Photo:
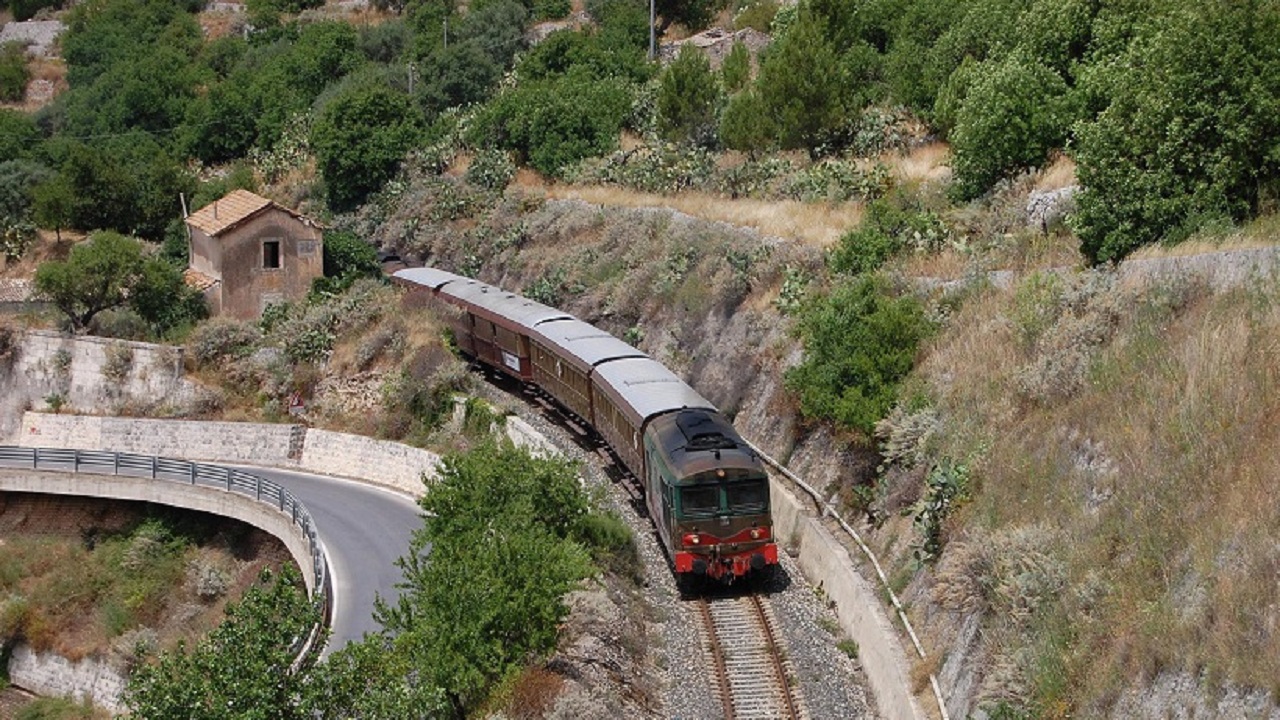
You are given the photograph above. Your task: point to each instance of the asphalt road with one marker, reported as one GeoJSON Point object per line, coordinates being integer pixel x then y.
{"type": "Point", "coordinates": [363, 529]}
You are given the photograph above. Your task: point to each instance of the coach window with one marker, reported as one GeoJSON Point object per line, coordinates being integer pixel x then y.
{"type": "Point", "coordinates": [271, 254]}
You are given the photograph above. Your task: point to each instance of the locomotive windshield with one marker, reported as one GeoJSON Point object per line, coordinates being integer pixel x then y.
{"type": "Point", "coordinates": [742, 497]}
{"type": "Point", "coordinates": [700, 501]}
{"type": "Point", "coordinates": [747, 498]}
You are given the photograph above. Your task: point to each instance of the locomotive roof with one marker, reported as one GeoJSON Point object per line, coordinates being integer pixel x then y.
{"type": "Point", "coordinates": [428, 276]}
{"type": "Point", "coordinates": [519, 310]}
{"type": "Point", "coordinates": [697, 441]}
{"type": "Point", "coordinates": [644, 388]}
{"type": "Point", "coordinates": [583, 344]}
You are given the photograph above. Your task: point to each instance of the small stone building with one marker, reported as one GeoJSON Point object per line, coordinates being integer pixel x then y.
{"type": "Point", "coordinates": [247, 252]}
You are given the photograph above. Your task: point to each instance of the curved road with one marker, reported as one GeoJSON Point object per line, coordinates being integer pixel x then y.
{"type": "Point", "coordinates": [364, 530]}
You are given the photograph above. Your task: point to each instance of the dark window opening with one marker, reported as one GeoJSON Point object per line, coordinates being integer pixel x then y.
{"type": "Point", "coordinates": [271, 254]}
{"type": "Point", "coordinates": [703, 501]}
{"type": "Point", "coordinates": [747, 497]}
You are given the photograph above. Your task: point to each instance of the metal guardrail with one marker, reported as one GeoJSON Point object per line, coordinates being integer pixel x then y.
{"type": "Point", "coordinates": [183, 472]}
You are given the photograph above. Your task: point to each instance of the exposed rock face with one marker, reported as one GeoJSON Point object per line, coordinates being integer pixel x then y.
{"type": "Point", "coordinates": [1048, 208]}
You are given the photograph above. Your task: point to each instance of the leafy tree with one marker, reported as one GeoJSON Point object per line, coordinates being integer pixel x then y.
{"type": "Point", "coordinates": [557, 122]}
{"type": "Point", "coordinates": [492, 591]}
{"type": "Point", "coordinates": [242, 671]}
{"type": "Point", "coordinates": [687, 98]}
{"type": "Point", "coordinates": [1189, 131]}
{"type": "Point", "coordinates": [18, 180]}
{"type": "Point", "coordinates": [859, 343]}
{"type": "Point", "coordinates": [18, 132]}
{"type": "Point", "coordinates": [98, 275]}
{"type": "Point", "coordinates": [163, 299]}
{"type": "Point", "coordinates": [744, 125]}
{"type": "Point", "coordinates": [1014, 113]}
{"type": "Point", "coordinates": [14, 74]}
{"type": "Point", "coordinates": [52, 203]}
{"type": "Point", "coordinates": [735, 72]}
{"type": "Point", "coordinates": [802, 86]}
{"type": "Point", "coordinates": [359, 141]}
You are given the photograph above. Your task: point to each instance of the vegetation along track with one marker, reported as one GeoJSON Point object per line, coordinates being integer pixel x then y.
{"type": "Point", "coordinates": [752, 674]}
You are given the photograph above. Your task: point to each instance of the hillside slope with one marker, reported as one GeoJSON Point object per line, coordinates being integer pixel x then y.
{"type": "Point", "coordinates": [1095, 438]}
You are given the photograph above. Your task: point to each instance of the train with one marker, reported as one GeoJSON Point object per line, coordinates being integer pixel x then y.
{"type": "Point", "coordinates": [705, 488]}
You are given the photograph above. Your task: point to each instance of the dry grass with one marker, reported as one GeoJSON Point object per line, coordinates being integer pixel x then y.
{"type": "Point", "coordinates": [926, 163]}
{"type": "Point", "coordinates": [1156, 474]}
{"type": "Point", "coordinates": [814, 224]}
{"type": "Point", "coordinates": [1060, 173]}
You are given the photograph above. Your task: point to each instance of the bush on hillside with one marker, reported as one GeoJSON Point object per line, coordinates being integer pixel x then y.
{"type": "Point", "coordinates": [859, 341]}
{"type": "Point", "coordinates": [687, 98]}
{"type": "Point", "coordinates": [1188, 133]}
{"type": "Point", "coordinates": [1014, 113]}
{"type": "Point", "coordinates": [557, 122]}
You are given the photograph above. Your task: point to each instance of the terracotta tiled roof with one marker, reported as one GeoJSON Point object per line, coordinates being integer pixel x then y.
{"type": "Point", "coordinates": [228, 211]}
{"type": "Point", "coordinates": [198, 280]}
{"type": "Point", "coordinates": [14, 290]}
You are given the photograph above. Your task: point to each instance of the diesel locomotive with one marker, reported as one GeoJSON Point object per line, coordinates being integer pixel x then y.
{"type": "Point", "coordinates": [705, 488]}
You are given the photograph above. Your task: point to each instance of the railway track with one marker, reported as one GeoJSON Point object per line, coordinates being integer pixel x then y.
{"type": "Point", "coordinates": [752, 677]}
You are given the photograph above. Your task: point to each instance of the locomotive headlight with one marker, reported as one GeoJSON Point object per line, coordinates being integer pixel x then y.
{"type": "Point", "coordinates": [692, 539]}
{"type": "Point", "coordinates": [759, 532]}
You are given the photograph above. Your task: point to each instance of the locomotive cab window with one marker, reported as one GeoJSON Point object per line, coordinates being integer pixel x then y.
{"type": "Point", "coordinates": [700, 501]}
{"type": "Point", "coordinates": [749, 496]}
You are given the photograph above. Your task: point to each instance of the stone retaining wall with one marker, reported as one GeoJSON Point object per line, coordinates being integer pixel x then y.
{"type": "Point", "coordinates": [51, 675]}
{"type": "Point", "coordinates": [381, 462]}
{"type": "Point", "coordinates": [250, 443]}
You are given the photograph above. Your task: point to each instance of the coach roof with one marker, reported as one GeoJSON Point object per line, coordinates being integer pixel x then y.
{"type": "Point", "coordinates": [426, 276]}
{"type": "Point", "coordinates": [500, 303]}
{"type": "Point", "coordinates": [644, 387]}
{"type": "Point", "coordinates": [582, 344]}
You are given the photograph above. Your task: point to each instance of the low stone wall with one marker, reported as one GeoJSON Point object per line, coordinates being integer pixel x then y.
{"type": "Point", "coordinates": [828, 566]}
{"type": "Point", "coordinates": [52, 675]}
{"type": "Point", "coordinates": [400, 467]}
{"type": "Point", "coordinates": [249, 443]}
{"type": "Point", "coordinates": [379, 462]}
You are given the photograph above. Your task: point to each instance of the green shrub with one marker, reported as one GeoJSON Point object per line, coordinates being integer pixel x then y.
{"type": "Point", "coordinates": [221, 339]}
{"type": "Point", "coordinates": [687, 98]}
{"type": "Point", "coordinates": [13, 72]}
{"type": "Point", "coordinates": [56, 709]}
{"type": "Point", "coordinates": [1014, 113]}
{"type": "Point", "coordinates": [491, 169]}
{"type": "Point", "coordinates": [892, 226]}
{"type": "Point", "coordinates": [554, 123]}
{"type": "Point", "coordinates": [735, 71]}
{"type": "Point", "coordinates": [757, 16]}
{"type": "Point", "coordinates": [859, 343]}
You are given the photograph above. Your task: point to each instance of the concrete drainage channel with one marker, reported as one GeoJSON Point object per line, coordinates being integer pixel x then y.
{"type": "Point", "coordinates": [827, 564]}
